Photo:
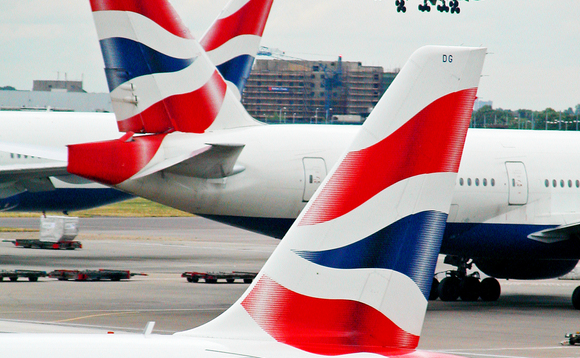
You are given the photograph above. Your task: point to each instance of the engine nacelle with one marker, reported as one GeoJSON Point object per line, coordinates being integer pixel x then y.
{"type": "Point", "coordinates": [525, 269]}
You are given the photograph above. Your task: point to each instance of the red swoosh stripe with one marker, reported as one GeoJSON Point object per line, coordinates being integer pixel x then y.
{"type": "Point", "coordinates": [191, 112]}
{"type": "Point", "coordinates": [250, 19]}
{"type": "Point", "coordinates": [159, 11]}
{"type": "Point", "coordinates": [112, 162]}
{"type": "Point", "coordinates": [323, 326]}
{"type": "Point", "coordinates": [439, 130]}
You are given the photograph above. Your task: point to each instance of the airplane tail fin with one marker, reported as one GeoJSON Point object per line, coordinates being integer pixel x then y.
{"type": "Point", "coordinates": [354, 272]}
{"type": "Point", "coordinates": [233, 40]}
{"type": "Point", "coordinates": [159, 76]}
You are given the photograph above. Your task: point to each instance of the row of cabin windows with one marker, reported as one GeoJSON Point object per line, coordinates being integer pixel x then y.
{"type": "Point", "coordinates": [476, 182]}
{"type": "Point", "coordinates": [562, 183]}
{"type": "Point", "coordinates": [18, 156]}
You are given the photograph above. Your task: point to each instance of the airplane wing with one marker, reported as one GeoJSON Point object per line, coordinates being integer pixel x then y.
{"type": "Point", "coordinates": [28, 171]}
{"type": "Point", "coordinates": [32, 177]}
{"type": "Point", "coordinates": [18, 178]}
{"type": "Point", "coordinates": [560, 233]}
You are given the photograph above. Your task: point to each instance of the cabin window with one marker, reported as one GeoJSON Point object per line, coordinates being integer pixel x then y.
{"type": "Point", "coordinates": [461, 181]}
{"type": "Point", "coordinates": [492, 182]}
{"type": "Point", "coordinates": [476, 181]}
{"type": "Point", "coordinates": [554, 183]}
{"type": "Point", "coordinates": [484, 181]}
{"type": "Point", "coordinates": [569, 183]}
{"type": "Point", "coordinates": [468, 181]}
{"type": "Point", "coordinates": [561, 183]}
{"type": "Point", "coordinates": [547, 183]}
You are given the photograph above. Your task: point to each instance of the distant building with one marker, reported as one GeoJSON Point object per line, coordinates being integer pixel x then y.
{"type": "Point", "coordinates": [57, 86]}
{"type": "Point", "coordinates": [313, 91]}
{"type": "Point", "coordinates": [479, 103]}
{"type": "Point", "coordinates": [56, 96]}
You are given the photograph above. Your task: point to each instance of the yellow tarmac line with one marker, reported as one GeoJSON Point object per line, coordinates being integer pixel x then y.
{"type": "Point", "coordinates": [95, 315]}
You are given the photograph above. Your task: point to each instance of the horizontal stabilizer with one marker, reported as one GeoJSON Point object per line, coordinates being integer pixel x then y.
{"type": "Point", "coordinates": [557, 234]}
{"type": "Point", "coordinates": [216, 162]}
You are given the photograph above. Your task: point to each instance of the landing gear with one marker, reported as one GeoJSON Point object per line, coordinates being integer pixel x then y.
{"type": "Point", "coordinates": [490, 289]}
{"type": "Point", "coordinates": [401, 6]}
{"type": "Point", "coordinates": [425, 6]}
{"type": "Point", "coordinates": [458, 284]}
{"type": "Point", "coordinates": [576, 298]}
{"type": "Point", "coordinates": [454, 4]}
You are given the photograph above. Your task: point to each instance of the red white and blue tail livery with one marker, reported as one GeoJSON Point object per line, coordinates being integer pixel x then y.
{"type": "Point", "coordinates": [233, 40]}
{"type": "Point", "coordinates": [159, 76]}
{"type": "Point", "coordinates": [353, 274]}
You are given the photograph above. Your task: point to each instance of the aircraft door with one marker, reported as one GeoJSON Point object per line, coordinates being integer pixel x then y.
{"type": "Point", "coordinates": [517, 183]}
{"type": "Point", "coordinates": [314, 173]}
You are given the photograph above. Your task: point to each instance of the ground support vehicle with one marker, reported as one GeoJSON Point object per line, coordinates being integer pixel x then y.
{"type": "Point", "coordinates": [213, 277]}
{"type": "Point", "coordinates": [38, 244]}
{"type": "Point", "coordinates": [93, 275]}
{"type": "Point", "coordinates": [14, 275]}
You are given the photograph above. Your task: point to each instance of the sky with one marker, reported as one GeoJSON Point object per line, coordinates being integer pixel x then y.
{"type": "Point", "coordinates": [533, 61]}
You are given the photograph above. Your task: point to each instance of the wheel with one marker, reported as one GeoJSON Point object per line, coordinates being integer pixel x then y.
{"type": "Point", "coordinates": [247, 280]}
{"type": "Point", "coordinates": [33, 279]}
{"type": "Point", "coordinates": [576, 298]}
{"type": "Point", "coordinates": [13, 278]}
{"type": "Point", "coordinates": [449, 289]}
{"type": "Point", "coordinates": [190, 279]}
{"type": "Point", "coordinates": [229, 280]}
{"type": "Point", "coordinates": [211, 280]}
{"type": "Point", "coordinates": [434, 290]}
{"type": "Point", "coordinates": [489, 289]}
{"type": "Point", "coordinates": [469, 289]}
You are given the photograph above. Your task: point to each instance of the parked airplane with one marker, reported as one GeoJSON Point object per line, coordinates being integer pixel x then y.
{"type": "Point", "coordinates": [33, 184]}
{"type": "Point", "coordinates": [301, 305]}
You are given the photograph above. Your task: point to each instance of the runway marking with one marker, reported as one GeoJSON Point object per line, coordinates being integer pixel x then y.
{"type": "Point", "coordinates": [95, 315]}
{"type": "Point", "coordinates": [472, 352]}
{"type": "Point", "coordinates": [111, 312]}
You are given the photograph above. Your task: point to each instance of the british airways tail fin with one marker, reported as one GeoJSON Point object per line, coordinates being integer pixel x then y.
{"type": "Point", "coordinates": [233, 40]}
{"type": "Point", "coordinates": [353, 274]}
{"type": "Point", "coordinates": [159, 76]}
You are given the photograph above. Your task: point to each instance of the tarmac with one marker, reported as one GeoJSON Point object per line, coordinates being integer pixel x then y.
{"type": "Point", "coordinates": [529, 320]}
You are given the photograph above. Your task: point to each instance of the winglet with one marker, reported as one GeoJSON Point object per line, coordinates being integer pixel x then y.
{"type": "Point", "coordinates": [354, 272]}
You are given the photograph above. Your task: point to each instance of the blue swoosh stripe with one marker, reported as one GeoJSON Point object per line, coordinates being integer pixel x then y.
{"type": "Point", "coordinates": [127, 59]}
{"type": "Point", "coordinates": [403, 246]}
{"type": "Point", "coordinates": [237, 70]}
